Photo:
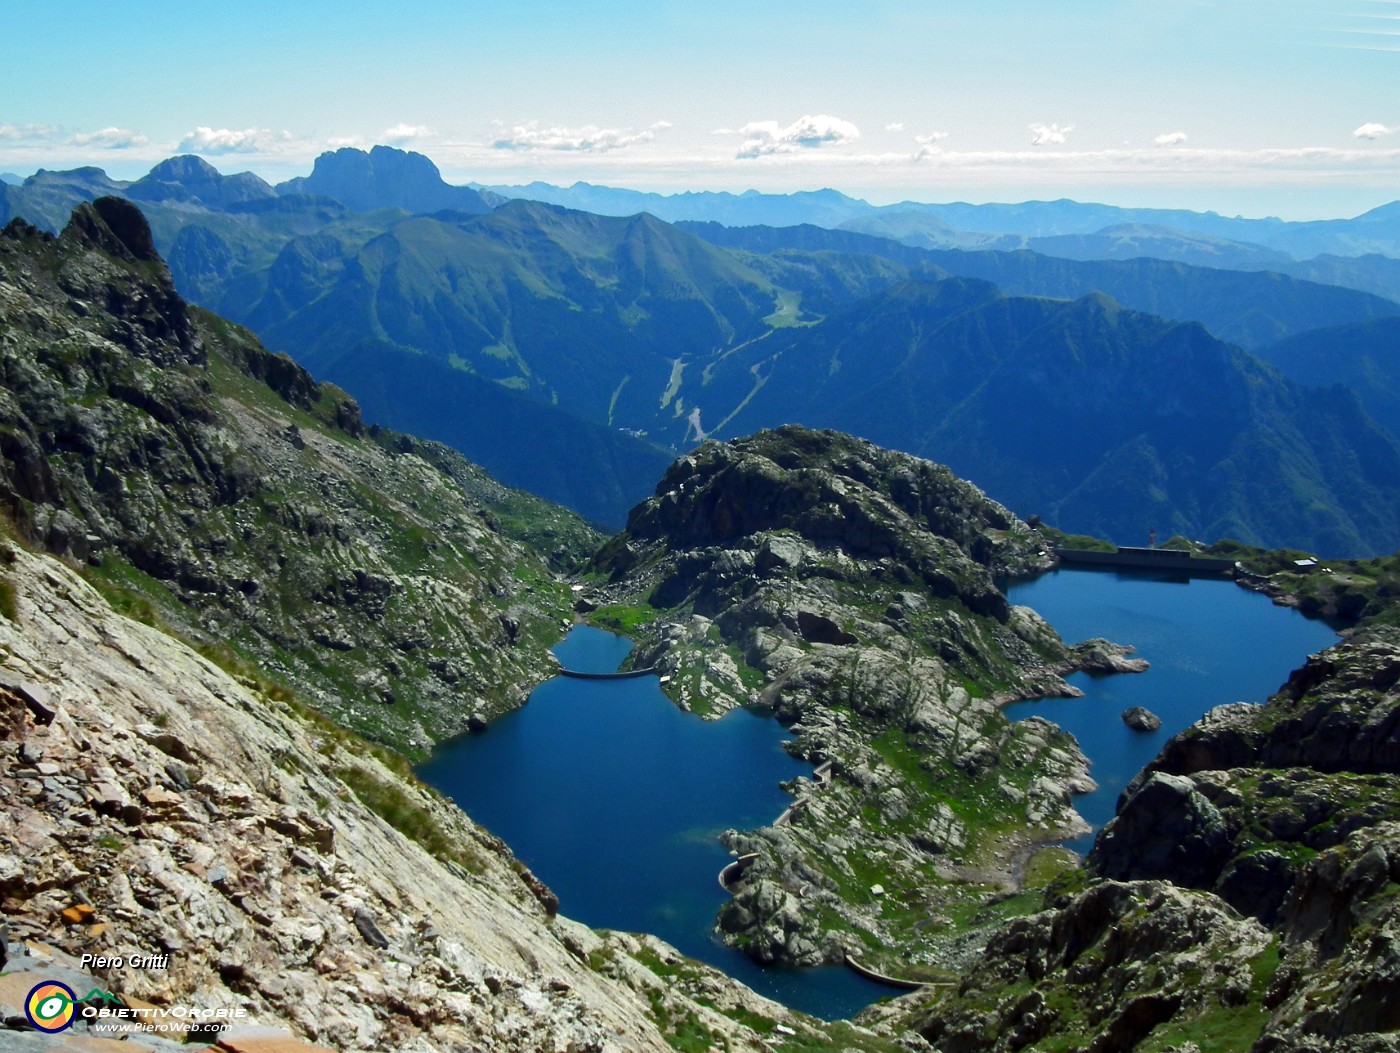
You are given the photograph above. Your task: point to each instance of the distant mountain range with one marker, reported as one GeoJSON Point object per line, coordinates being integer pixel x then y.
{"type": "Point", "coordinates": [1251, 308]}
{"type": "Point", "coordinates": [1108, 420]}
{"type": "Point", "coordinates": [572, 352]}
{"type": "Point", "coordinates": [972, 226]}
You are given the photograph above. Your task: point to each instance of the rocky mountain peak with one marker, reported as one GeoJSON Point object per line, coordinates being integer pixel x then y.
{"type": "Point", "coordinates": [384, 178]}
{"type": "Point", "coordinates": [190, 179]}
{"type": "Point", "coordinates": [850, 589]}
{"type": "Point", "coordinates": [129, 295]}
{"type": "Point", "coordinates": [830, 490]}
{"type": "Point", "coordinates": [187, 168]}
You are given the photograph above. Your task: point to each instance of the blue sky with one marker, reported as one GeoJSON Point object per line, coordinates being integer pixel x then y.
{"type": "Point", "coordinates": [1287, 107]}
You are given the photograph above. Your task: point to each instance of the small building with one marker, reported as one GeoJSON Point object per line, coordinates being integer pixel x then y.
{"type": "Point", "coordinates": [1304, 566]}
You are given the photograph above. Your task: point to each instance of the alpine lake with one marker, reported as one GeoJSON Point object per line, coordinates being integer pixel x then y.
{"type": "Point", "coordinates": [615, 798]}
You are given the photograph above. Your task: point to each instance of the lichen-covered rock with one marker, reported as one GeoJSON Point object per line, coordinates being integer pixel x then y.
{"type": "Point", "coordinates": [1340, 984]}
{"type": "Point", "coordinates": [1105, 969]}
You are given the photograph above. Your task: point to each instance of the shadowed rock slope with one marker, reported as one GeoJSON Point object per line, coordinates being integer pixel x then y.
{"type": "Point", "coordinates": [210, 483]}
{"type": "Point", "coordinates": [851, 589]}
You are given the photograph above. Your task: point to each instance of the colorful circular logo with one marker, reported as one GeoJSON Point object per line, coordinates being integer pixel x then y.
{"type": "Point", "coordinates": [50, 1006]}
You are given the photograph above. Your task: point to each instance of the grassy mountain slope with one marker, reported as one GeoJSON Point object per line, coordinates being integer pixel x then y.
{"type": "Point", "coordinates": [561, 304]}
{"type": "Point", "coordinates": [212, 484]}
{"type": "Point", "coordinates": [1104, 420]}
{"type": "Point", "coordinates": [1364, 357]}
{"type": "Point", "coordinates": [1248, 308]}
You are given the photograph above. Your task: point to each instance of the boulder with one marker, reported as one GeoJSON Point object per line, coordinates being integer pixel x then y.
{"type": "Point", "coordinates": [1140, 719]}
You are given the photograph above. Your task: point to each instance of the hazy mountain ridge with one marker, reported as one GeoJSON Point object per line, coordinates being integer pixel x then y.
{"type": "Point", "coordinates": [1063, 408]}
{"type": "Point", "coordinates": [588, 338]}
{"type": "Point", "coordinates": [1374, 231]}
{"type": "Point", "coordinates": [1370, 272]}
{"type": "Point", "coordinates": [1249, 308]}
{"type": "Point", "coordinates": [1364, 357]}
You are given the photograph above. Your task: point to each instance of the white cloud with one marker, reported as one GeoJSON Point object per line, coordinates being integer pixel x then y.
{"type": "Point", "coordinates": [111, 139]}
{"type": "Point", "coordinates": [337, 143]}
{"type": "Point", "coordinates": [1372, 130]}
{"type": "Point", "coordinates": [403, 132]}
{"type": "Point", "coordinates": [205, 140]}
{"type": "Point", "coordinates": [1170, 139]}
{"type": "Point", "coordinates": [806, 133]}
{"type": "Point", "coordinates": [897, 126]}
{"type": "Point", "coordinates": [588, 139]}
{"type": "Point", "coordinates": [1045, 134]}
{"type": "Point", "coordinates": [928, 144]}
{"type": "Point", "coordinates": [17, 133]}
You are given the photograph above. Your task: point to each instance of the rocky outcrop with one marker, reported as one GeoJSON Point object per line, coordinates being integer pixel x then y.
{"type": "Point", "coordinates": [1104, 970]}
{"type": "Point", "coordinates": [384, 177]}
{"type": "Point", "coordinates": [152, 805]}
{"type": "Point", "coordinates": [851, 590]}
{"type": "Point", "coordinates": [1140, 719]}
{"type": "Point", "coordinates": [1243, 799]}
{"type": "Point", "coordinates": [219, 487]}
{"type": "Point", "coordinates": [1280, 825]}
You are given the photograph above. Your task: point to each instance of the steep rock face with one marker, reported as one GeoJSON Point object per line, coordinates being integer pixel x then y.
{"type": "Point", "coordinates": [1242, 800]}
{"type": "Point", "coordinates": [285, 868]}
{"type": "Point", "coordinates": [243, 501]}
{"type": "Point", "coordinates": [1340, 986]}
{"type": "Point", "coordinates": [384, 178]}
{"type": "Point", "coordinates": [850, 589]}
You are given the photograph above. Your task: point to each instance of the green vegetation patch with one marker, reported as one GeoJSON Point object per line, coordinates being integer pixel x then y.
{"type": "Point", "coordinates": [9, 600]}
{"type": "Point", "coordinates": [623, 618]}
{"type": "Point", "coordinates": [394, 804]}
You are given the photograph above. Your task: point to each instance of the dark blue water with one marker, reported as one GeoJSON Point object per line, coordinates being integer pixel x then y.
{"type": "Point", "coordinates": [1208, 641]}
{"type": "Point", "coordinates": [615, 798]}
